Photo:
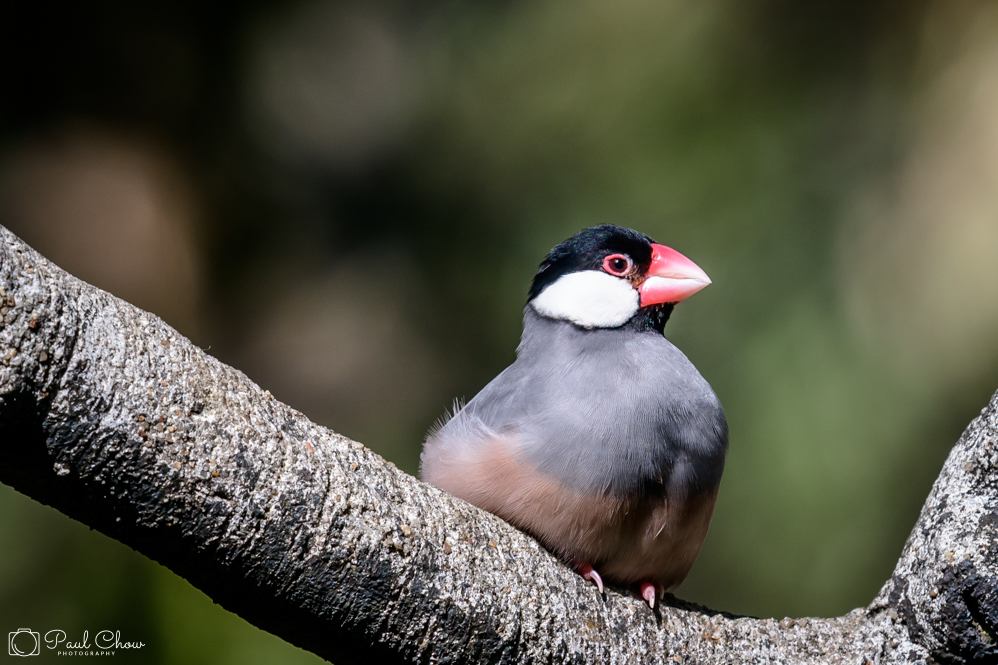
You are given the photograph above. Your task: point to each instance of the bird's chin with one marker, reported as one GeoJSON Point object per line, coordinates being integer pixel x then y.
{"type": "Point", "coordinates": [652, 317]}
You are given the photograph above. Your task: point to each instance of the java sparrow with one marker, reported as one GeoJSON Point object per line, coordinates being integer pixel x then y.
{"type": "Point", "coordinates": [601, 439]}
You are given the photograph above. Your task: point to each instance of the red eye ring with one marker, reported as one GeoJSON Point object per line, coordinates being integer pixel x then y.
{"type": "Point", "coordinates": [618, 265]}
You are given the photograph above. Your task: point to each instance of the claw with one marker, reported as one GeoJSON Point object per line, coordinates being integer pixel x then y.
{"type": "Point", "coordinates": [588, 573]}
{"type": "Point", "coordinates": [648, 593]}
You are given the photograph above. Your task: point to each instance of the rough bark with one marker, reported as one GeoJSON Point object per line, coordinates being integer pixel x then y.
{"type": "Point", "coordinates": [110, 416]}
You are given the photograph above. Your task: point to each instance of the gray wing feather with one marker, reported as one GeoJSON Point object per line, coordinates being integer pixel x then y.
{"type": "Point", "coordinates": [610, 411]}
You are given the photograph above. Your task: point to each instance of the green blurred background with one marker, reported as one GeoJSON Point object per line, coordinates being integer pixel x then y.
{"type": "Point", "coordinates": [348, 201]}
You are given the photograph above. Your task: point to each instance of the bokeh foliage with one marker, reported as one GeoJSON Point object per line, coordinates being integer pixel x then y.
{"type": "Point", "coordinates": [366, 190]}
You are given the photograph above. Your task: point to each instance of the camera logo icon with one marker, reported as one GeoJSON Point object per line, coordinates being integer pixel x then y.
{"type": "Point", "coordinates": [23, 642]}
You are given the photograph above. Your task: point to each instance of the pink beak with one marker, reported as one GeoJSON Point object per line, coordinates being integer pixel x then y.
{"type": "Point", "coordinates": [671, 277]}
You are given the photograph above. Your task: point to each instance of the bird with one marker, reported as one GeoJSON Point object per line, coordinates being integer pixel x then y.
{"type": "Point", "coordinates": [601, 440]}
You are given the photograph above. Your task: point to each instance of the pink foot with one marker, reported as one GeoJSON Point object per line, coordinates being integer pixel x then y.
{"type": "Point", "coordinates": [648, 593]}
{"type": "Point", "coordinates": [588, 573]}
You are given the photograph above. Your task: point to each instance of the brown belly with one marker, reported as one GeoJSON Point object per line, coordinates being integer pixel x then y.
{"type": "Point", "coordinates": [626, 540]}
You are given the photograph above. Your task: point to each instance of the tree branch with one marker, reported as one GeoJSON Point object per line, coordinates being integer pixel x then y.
{"type": "Point", "coordinates": [110, 416]}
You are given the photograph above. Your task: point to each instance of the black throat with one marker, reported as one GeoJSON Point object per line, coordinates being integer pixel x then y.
{"type": "Point", "coordinates": [652, 317]}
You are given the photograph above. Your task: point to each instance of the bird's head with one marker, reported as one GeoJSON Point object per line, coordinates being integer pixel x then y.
{"type": "Point", "coordinates": [606, 276]}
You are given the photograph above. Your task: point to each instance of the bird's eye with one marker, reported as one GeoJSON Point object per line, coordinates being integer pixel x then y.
{"type": "Point", "coordinates": [617, 264]}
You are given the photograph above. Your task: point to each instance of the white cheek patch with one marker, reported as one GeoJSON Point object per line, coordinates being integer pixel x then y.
{"type": "Point", "coordinates": [590, 298]}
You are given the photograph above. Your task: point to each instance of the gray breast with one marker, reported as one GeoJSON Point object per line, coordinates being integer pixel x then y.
{"type": "Point", "coordinates": [612, 411]}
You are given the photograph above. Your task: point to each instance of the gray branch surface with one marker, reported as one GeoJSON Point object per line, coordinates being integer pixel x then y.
{"type": "Point", "coordinates": [110, 416]}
